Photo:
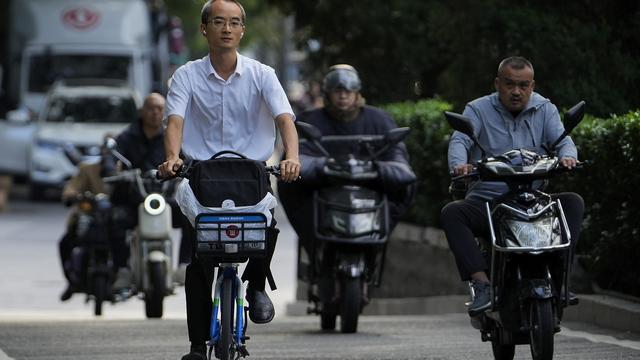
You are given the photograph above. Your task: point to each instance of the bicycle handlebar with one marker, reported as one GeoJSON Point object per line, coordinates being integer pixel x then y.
{"type": "Point", "coordinates": [183, 172]}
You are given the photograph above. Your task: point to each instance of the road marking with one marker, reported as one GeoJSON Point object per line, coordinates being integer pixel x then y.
{"type": "Point", "coordinates": [601, 338]}
{"type": "Point", "coordinates": [4, 356]}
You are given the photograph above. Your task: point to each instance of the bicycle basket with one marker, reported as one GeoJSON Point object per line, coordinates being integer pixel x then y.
{"type": "Point", "coordinates": [231, 235]}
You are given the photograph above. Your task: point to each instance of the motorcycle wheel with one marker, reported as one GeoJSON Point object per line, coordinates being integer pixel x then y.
{"type": "Point", "coordinates": [99, 292]}
{"type": "Point", "coordinates": [351, 301]}
{"type": "Point", "coordinates": [226, 350]}
{"type": "Point", "coordinates": [154, 297]}
{"type": "Point", "coordinates": [503, 351]}
{"type": "Point", "coordinates": [541, 329]}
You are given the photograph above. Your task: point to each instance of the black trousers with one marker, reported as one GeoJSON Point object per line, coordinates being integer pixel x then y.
{"type": "Point", "coordinates": [199, 283]}
{"type": "Point", "coordinates": [463, 220]}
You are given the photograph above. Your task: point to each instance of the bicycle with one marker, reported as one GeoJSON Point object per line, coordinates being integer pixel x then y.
{"type": "Point", "coordinates": [231, 238]}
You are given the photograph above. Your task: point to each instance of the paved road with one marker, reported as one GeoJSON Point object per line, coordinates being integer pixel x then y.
{"type": "Point", "coordinates": [35, 325]}
{"type": "Point", "coordinates": [31, 279]}
{"type": "Point", "coordinates": [426, 337]}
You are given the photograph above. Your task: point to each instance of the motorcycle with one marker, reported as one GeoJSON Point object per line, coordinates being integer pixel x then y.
{"type": "Point", "coordinates": [351, 227]}
{"type": "Point", "coordinates": [90, 266]}
{"type": "Point", "coordinates": [151, 258]}
{"type": "Point", "coordinates": [529, 248]}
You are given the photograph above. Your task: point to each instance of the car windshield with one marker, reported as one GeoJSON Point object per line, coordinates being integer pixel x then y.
{"type": "Point", "coordinates": [44, 70]}
{"type": "Point", "coordinates": [92, 109]}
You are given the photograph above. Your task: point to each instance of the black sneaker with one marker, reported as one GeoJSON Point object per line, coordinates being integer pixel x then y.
{"type": "Point", "coordinates": [197, 352]}
{"type": "Point", "coordinates": [481, 299]}
{"type": "Point", "coordinates": [573, 298]}
{"type": "Point", "coordinates": [261, 309]}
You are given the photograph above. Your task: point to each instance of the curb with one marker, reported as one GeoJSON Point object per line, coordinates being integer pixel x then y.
{"type": "Point", "coordinates": [604, 310]}
{"type": "Point", "coordinates": [601, 310]}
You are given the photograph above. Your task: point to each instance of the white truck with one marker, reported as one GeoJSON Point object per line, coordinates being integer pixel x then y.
{"type": "Point", "coordinates": [46, 41]}
{"type": "Point", "coordinates": [51, 40]}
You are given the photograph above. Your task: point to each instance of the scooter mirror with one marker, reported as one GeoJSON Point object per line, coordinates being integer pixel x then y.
{"type": "Point", "coordinates": [110, 143]}
{"type": "Point", "coordinates": [460, 123]}
{"type": "Point", "coordinates": [309, 131]}
{"type": "Point", "coordinates": [396, 135]}
{"type": "Point", "coordinates": [573, 116]}
{"type": "Point", "coordinates": [464, 125]}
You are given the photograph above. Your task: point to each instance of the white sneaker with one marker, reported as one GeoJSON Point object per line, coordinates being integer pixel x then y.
{"type": "Point", "coordinates": [179, 274]}
{"type": "Point", "coordinates": [123, 279]}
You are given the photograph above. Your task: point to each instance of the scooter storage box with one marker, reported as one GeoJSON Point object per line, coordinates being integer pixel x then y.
{"type": "Point", "coordinates": [351, 211]}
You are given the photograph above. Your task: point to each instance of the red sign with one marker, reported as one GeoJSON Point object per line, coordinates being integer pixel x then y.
{"type": "Point", "coordinates": [232, 231]}
{"type": "Point", "coordinates": [80, 18]}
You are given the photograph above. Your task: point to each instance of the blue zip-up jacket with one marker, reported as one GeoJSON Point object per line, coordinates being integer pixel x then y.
{"type": "Point", "coordinates": [498, 132]}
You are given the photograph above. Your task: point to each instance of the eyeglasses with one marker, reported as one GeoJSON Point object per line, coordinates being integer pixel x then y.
{"type": "Point", "coordinates": [221, 23]}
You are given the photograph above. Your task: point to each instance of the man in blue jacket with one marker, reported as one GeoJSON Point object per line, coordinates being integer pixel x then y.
{"type": "Point", "coordinates": [511, 118]}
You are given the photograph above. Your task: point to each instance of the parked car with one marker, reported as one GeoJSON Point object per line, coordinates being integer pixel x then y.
{"type": "Point", "coordinates": [76, 116]}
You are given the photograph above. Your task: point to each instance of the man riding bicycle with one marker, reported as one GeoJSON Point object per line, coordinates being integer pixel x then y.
{"type": "Point", "coordinates": [226, 101]}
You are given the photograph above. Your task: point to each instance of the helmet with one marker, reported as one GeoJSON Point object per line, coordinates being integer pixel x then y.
{"type": "Point", "coordinates": [341, 75]}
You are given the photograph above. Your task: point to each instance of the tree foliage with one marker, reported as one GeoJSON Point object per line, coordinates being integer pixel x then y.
{"type": "Point", "coordinates": [407, 49]}
{"type": "Point", "coordinates": [263, 26]}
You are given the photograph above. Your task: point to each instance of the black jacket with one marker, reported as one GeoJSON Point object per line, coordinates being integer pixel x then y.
{"type": "Point", "coordinates": [396, 176]}
{"type": "Point", "coordinates": [144, 154]}
{"type": "Point", "coordinates": [393, 165]}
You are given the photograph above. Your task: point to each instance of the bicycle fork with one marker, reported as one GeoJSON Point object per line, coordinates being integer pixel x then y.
{"type": "Point", "coordinates": [237, 295]}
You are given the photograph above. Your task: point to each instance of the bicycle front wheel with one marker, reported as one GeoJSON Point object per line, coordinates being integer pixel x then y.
{"type": "Point", "coordinates": [225, 343]}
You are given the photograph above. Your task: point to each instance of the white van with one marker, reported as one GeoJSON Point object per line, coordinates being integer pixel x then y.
{"type": "Point", "coordinates": [75, 118]}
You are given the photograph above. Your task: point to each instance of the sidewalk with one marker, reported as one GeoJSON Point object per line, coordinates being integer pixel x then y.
{"type": "Point", "coordinates": [604, 310]}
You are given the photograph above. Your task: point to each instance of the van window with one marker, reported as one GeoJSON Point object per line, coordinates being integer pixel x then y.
{"type": "Point", "coordinates": [92, 110]}
{"type": "Point", "coordinates": [45, 69]}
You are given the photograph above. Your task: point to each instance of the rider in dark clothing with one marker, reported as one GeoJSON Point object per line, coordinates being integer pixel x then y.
{"type": "Point", "coordinates": [346, 114]}
{"type": "Point", "coordinates": [143, 144]}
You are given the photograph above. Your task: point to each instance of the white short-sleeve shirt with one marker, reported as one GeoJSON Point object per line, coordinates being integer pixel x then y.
{"type": "Point", "coordinates": [237, 114]}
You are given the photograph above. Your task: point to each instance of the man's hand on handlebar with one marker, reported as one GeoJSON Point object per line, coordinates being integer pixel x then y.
{"type": "Point", "coordinates": [289, 170]}
{"type": "Point", "coordinates": [463, 169]}
{"type": "Point", "coordinates": [168, 168]}
{"type": "Point", "coordinates": [568, 162]}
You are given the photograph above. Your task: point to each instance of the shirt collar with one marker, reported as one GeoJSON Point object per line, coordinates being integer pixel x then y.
{"type": "Point", "coordinates": [240, 65]}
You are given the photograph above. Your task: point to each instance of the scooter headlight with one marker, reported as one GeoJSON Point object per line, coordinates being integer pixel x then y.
{"type": "Point", "coordinates": [154, 204]}
{"type": "Point", "coordinates": [536, 234]}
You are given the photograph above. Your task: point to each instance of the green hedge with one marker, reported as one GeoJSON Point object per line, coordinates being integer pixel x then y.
{"type": "Point", "coordinates": [609, 185]}
{"type": "Point", "coordinates": [427, 145]}
{"type": "Point", "coordinates": [611, 232]}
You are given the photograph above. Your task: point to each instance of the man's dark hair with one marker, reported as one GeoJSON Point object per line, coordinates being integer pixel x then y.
{"type": "Point", "coordinates": [206, 11]}
{"type": "Point", "coordinates": [514, 62]}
